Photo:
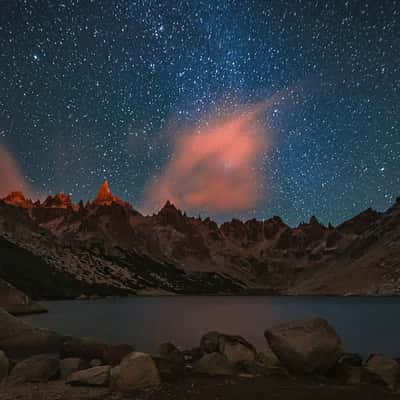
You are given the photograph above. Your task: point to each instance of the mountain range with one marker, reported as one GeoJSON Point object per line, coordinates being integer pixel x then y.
{"type": "Point", "coordinates": [58, 249]}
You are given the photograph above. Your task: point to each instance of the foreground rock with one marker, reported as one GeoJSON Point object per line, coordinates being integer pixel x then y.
{"type": "Point", "coordinates": [381, 369]}
{"type": "Point", "coordinates": [213, 364]}
{"type": "Point", "coordinates": [4, 365]}
{"type": "Point", "coordinates": [114, 354]}
{"type": "Point", "coordinates": [348, 369]}
{"type": "Point", "coordinates": [18, 339]}
{"type": "Point", "coordinates": [170, 361]}
{"type": "Point", "coordinates": [306, 346]}
{"type": "Point", "coordinates": [96, 376]}
{"type": "Point", "coordinates": [266, 363]}
{"type": "Point", "coordinates": [39, 368]}
{"type": "Point", "coordinates": [16, 302]}
{"type": "Point", "coordinates": [237, 350]}
{"type": "Point", "coordinates": [136, 371]}
{"type": "Point", "coordinates": [86, 347]}
{"type": "Point", "coordinates": [70, 365]}
{"type": "Point", "coordinates": [91, 349]}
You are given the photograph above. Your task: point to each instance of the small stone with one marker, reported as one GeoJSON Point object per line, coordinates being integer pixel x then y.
{"type": "Point", "coordinates": [96, 362]}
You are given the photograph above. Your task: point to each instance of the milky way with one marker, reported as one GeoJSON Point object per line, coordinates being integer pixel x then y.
{"type": "Point", "coordinates": [96, 89]}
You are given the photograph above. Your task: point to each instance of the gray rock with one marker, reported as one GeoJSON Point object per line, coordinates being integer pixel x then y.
{"type": "Point", "coordinates": [19, 339]}
{"type": "Point", "coordinates": [39, 368]}
{"type": "Point", "coordinates": [170, 361]}
{"type": "Point", "coordinates": [306, 346]}
{"type": "Point", "coordinates": [137, 371]}
{"type": "Point", "coordinates": [236, 349]}
{"type": "Point", "coordinates": [381, 369]}
{"type": "Point", "coordinates": [266, 363]}
{"type": "Point", "coordinates": [348, 369]}
{"type": "Point", "coordinates": [213, 364]}
{"type": "Point", "coordinates": [4, 365]}
{"type": "Point", "coordinates": [96, 376]}
{"type": "Point", "coordinates": [71, 365]}
{"type": "Point", "coordinates": [209, 342]}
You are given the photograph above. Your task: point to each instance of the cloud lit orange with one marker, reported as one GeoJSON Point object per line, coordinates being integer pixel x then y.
{"type": "Point", "coordinates": [11, 177]}
{"type": "Point", "coordinates": [216, 168]}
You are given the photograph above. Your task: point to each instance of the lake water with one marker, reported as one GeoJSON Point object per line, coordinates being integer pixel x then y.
{"type": "Point", "coordinates": [366, 325]}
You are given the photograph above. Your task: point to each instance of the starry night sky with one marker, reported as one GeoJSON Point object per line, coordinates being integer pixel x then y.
{"type": "Point", "coordinates": [90, 90]}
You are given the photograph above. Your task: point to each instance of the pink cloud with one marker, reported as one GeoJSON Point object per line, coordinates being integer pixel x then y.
{"type": "Point", "coordinates": [215, 169]}
{"type": "Point", "coordinates": [11, 177]}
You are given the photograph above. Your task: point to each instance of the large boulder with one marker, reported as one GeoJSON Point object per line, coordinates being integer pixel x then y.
{"type": "Point", "coordinates": [4, 365]}
{"type": "Point", "coordinates": [39, 368]}
{"type": "Point", "coordinates": [170, 361]}
{"type": "Point", "coordinates": [305, 346]}
{"type": "Point", "coordinates": [209, 342]}
{"type": "Point", "coordinates": [136, 371]}
{"type": "Point", "coordinates": [214, 364]}
{"type": "Point", "coordinates": [114, 354]}
{"type": "Point", "coordinates": [86, 347]}
{"type": "Point", "coordinates": [236, 349]}
{"type": "Point", "coordinates": [19, 339]}
{"type": "Point", "coordinates": [381, 369]}
{"type": "Point", "coordinates": [70, 365]}
{"type": "Point", "coordinates": [96, 376]}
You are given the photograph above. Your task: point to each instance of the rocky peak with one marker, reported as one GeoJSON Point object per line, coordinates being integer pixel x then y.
{"type": "Point", "coordinates": [60, 200]}
{"type": "Point", "coordinates": [18, 199]}
{"type": "Point", "coordinates": [105, 196]}
{"type": "Point", "coordinates": [169, 209]}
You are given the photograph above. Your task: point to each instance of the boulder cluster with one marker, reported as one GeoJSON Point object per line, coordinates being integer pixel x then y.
{"type": "Point", "coordinates": [297, 348]}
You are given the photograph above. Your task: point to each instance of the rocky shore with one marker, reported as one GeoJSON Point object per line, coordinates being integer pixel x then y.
{"type": "Point", "coordinates": [300, 360]}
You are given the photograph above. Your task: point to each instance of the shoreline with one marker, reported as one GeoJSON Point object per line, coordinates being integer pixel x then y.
{"type": "Point", "coordinates": [37, 364]}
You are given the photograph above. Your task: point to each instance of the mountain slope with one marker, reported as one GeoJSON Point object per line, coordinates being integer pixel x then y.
{"type": "Point", "coordinates": [107, 247]}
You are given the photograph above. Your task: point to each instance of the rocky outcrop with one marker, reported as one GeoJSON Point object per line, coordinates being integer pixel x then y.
{"type": "Point", "coordinates": [16, 302]}
{"type": "Point", "coordinates": [383, 370]}
{"type": "Point", "coordinates": [136, 371]}
{"type": "Point", "coordinates": [96, 376]}
{"type": "Point", "coordinates": [18, 339]}
{"type": "Point", "coordinates": [39, 368]}
{"type": "Point", "coordinates": [306, 346]}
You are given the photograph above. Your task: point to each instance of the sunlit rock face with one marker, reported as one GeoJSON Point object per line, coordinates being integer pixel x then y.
{"type": "Point", "coordinates": [104, 196]}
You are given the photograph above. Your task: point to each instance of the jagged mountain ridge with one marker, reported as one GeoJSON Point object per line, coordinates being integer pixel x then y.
{"type": "Point", "coordinates": [106, 246]}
